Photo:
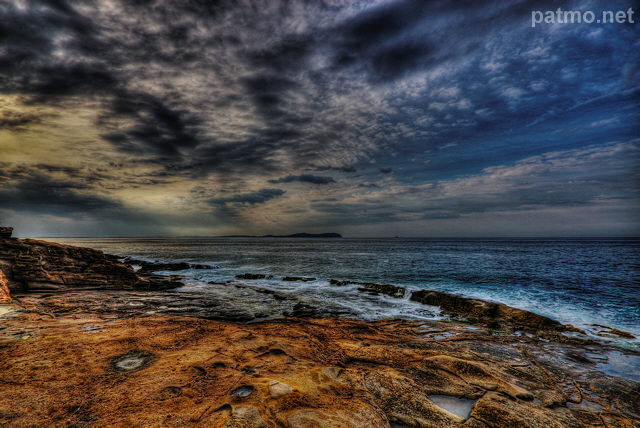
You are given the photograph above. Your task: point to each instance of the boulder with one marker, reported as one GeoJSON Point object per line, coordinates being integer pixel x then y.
{"type": "Point", "coordinates": [298, 278]}
{"type": "Point", "coordinates": [373, 288]}
{"type": "Point", "coordinates": [279, 389]}
{"type": "Point", "coordinates": [251, 276]}
{"type": "Point", "coordinates": [6, 232]}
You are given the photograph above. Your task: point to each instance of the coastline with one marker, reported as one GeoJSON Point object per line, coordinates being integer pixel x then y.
{"type": "Point", "coordinates": [63, 339]}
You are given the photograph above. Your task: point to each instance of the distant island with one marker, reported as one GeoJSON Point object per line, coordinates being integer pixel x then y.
{"type": "Point", "coordinates": [294, 235]}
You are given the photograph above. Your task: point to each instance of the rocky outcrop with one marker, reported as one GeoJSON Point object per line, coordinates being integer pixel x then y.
{"type": "Point", "coordinates": [144, 266]}
{"type": "Point", "coordinates": [489, 313]}
{"type": "Point", "coordinates": [495, 315]}
{"type": "Point", "coordinates": [373, 288]}
{"type": "Point", "coordinates": [32, 265]}
{"type": "Point", "coordinates": [298, 278]}
{"type": "Point", "coordinates": [6, 232]}
{"type": "Point", "coordinates": [253, 276]}
{"type": "Point", "coordinates": [95, 370]}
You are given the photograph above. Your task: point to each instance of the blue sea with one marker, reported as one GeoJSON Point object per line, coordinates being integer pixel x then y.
{"type": "Point", "coordinates": [577, 281]}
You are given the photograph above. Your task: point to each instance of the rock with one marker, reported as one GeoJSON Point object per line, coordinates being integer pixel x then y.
{"type": "Point", "coordinates": [146, 266]}
{"type": "Point", "coordinates": [31, 265]}
{"type": "Point", "coordinates": [278, 389]}
{"type": "Point", "coordinates": [397, 379]}
{"type": "Point", "coordinates": [366, 416]}
{"type": "Point", "coordinates": [389, 290]}
{"type": "Point", "coordinates": [6, 232]}
{"type": "Point", "coordinates": [373, 288]}
{"type": "Point", "coordinates": [154, 267]}
{"type": "Point", "coordinates": [552, 399]}
{"type": "Point", "coordinates": [251, 276]}
{"type": "Point", "coordinates": [199, 266]}
{"type": "Point", "coordinates": [298, 278]}
{"type": "Point", "coordinates": [5, 295]}
{"type": "Point", "coordinates": [605, 331]}
{"type": "Point", "coordinates": [492, 314]}
{"type": "Point", "coordinates": [245, 417]}
{"type": "Point", "coordinates": [499, 411]}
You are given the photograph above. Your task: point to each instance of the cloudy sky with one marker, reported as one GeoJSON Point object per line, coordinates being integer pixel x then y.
{"type": "Point", "coordinates": [367, 118]}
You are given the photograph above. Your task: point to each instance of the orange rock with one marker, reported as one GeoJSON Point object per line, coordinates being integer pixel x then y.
{"type": "Point", "coordinates": [5, 295]}
{"type": "Point", "coordinates": [177, 371]}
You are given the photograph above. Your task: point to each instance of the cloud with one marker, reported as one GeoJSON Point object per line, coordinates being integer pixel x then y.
{"type": "Point", "coordinates": [38, 192]}
{"type": "Point", "coordinates": [304, 178]}
{"type": "Point", "coordinates": [102, 100]}
{"type": "Point", "coordinates": [259, 197]}
{"type": "Point", "coordinates": [157, 128]}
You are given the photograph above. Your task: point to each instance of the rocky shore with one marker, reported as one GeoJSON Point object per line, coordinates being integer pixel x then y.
{"type": "Point", "coordinates": [88, 340]}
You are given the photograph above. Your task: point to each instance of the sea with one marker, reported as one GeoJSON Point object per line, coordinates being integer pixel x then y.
{"type": "Point", "coordinates": [583, 282]}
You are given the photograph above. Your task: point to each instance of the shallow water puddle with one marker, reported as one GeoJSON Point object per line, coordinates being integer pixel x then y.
{"type": "Point", "coordinates": [458, 406]}
{"type": "Point", "coordinates": [131, 361]}
{"type": "Point", "coordinates": [621, 365]}
{"type": "Point", "coordinates": [243, 391]}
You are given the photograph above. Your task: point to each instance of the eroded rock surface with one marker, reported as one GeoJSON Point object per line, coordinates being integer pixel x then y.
{"type": "Point", "coordinates": [178, 371]}
{"type": "Point", "coordinates": [5, 294]}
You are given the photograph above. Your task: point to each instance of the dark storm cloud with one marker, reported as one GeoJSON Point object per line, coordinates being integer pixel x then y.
{"type": "Point", "coordinates": [348, 169]}
{"type": "Point", "coordinates": [56, 51]}
{"type": "Point", "coordinates": [269, 93]}
{"type": "Point", "coordinates": [238, 93]}
{"type": "Point", "coordinates": [29, 63]}
{"type": "Point", "coordinates": [291, 52]}
{"type": "Point", "coordinates": [304, 178]}
{"type": "Point", "coordinates": [253, 198]}
{"type": "Point", "coordinates": [41, 193]}
{"type": "Point", "coordinates": [158, 128]}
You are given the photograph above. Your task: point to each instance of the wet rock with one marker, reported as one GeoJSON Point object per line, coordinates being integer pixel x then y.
{"type": "Point", "coordinates": [279, 389]}
{"type": "Point", "coordinates": [298, 278]}
{"type": "Point", "coordinates": [302, 310]}
{"type": "Point", "coordinates": [251, 276]}
{"type": "Point", "coordinates": [146, 266]}
{"type": "Point", "coordinates": [155, 267]}
{"type": "Point", "coordinates": [605, 331]}
{"type": "Point", "coordinates": [490, 313]}
{"type": "Point", "coordinates": [373, 288]}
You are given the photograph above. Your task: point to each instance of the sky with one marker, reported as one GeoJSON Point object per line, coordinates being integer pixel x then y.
{"type": "Point", "coordinates": [374, 118]}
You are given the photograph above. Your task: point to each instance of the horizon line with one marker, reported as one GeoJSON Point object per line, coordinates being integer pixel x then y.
{"type": "Point", "coordinates": [335, 238]}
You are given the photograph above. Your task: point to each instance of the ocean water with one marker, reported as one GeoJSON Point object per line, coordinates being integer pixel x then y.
{"type": "Point", "coordinates": [577, 281]}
